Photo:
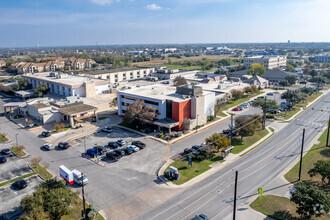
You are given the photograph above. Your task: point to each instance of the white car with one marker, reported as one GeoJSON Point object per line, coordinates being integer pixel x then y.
{"type": "Point", "coordinates": [48, 146]}
{"type": "Point", "coordinates": [133, 148]}
{"type": "Point", "coordinates": [107, 129]}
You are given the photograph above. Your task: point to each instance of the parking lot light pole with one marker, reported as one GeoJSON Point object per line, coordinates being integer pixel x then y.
{"type": "Point", "coordinates": [83, 194]}
{"type": "Point", "coordinates": [85, 143]}
{"type": "Point", "coordinates": [16, 139]}
{"type": "Point", "coordinates": [301, 154]}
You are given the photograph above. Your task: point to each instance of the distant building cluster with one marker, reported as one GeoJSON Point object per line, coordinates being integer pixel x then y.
{"type": "Point", "coordinates": [322, 58]}
{"type": "Point", "coordinates": [270, 62]}
{"type": "Point", "coordinates": [53, 64]}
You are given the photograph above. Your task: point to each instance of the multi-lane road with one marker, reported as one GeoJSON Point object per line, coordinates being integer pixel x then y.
{"type": "Point", "coordinates": [214, 195]}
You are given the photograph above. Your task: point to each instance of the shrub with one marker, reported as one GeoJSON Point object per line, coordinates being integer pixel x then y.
{"type": "Point", "coordinates": [210, 118]}
{"type": "Point", "coordinates": [270, 116]}
{"type": "Point", "coordinates": [20, 147]}
{"type": "Point", "coordinates": [161, 135]}
{"type": "Point", "coordinates": [35, 159]}
{"type": "Point", "coordinates": [45, 165]}
{"type": "Point", "coordinates": [179, 133]}
{"type": "Point", "coordinates": [197, 127]}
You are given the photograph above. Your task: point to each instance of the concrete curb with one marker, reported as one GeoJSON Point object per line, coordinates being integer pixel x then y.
{"type": "Point", "coordinates": [215, 167]}
{"type": "Point", "coordinates": [87, 157]}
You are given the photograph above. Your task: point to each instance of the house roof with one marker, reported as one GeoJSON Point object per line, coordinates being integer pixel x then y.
{"type": "Point", "coordinates": [269, 75]}
{"type": "Point", "coordinates": [78, 109]}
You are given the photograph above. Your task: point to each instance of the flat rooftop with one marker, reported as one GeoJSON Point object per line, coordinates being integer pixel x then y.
{"type": "Point", "coordinates": [98, 72]}
{"type": "Point", "coordinates": [66, 79]}
{"type": "Point", "coordinates": [158, 91]}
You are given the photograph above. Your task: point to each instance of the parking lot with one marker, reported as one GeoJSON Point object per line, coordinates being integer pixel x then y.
{"type": "Point", "coordinates": [10, 197]}
{"type": "Point", "coordinates": [14, 167]}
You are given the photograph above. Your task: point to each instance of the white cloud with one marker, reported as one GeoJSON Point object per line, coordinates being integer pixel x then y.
{"type": "Point", "coordinates": [103, 2]}
{"type": "Point", "coordinates": [153, 7]}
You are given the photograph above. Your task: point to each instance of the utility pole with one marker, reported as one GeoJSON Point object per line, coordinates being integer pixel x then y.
{"type": "Point", "coordinates": [83, 194]}
{"type": "Point", "coordinates": [231, 129]}
{"type": "Point", "coordinates": [327, 144]}
{"type": "Point", "coordinates": [16, 139]}
{"type": "Point", "coordinates": [85, 143]}
{"type": "Point", "coordinates": [264, 117]}
{"type": "Point", "coordinates": [235, 194]}
{"type": "Point", "coordinates": [301, 154]}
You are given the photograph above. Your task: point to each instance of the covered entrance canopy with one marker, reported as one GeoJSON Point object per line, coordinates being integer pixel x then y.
{"type": "Point", "coordinates": [12, 105]}
{"type": "Point", "coordinates": [25, 94]}
{"type": "Point", "coordinates": [166, 123]}
{"type": "Point", "coordinates": [77, 110]}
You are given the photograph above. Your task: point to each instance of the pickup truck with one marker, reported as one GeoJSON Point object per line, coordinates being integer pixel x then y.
{"type": "Point", "coordinates": [78, 178]}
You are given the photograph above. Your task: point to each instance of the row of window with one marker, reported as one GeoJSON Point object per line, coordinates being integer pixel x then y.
{"type": "Point", "coordinates": [135, 99]}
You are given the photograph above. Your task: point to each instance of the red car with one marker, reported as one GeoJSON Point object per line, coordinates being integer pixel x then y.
{"type": "Point", "coordinates": [236, 109]}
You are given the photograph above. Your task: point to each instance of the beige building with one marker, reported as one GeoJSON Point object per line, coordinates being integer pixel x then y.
{"type": "Point", "coordinates": [2, 63]}
{"type": "Point", "coordinates": [270, 62]}
{"type": "Point", "coordinates": [122, 74]}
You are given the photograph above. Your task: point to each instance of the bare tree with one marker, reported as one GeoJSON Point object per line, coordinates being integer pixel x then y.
{"type": "Point", "coordinates": [45, 165]}
{"type": "Point", "coordinates": [36, 159]}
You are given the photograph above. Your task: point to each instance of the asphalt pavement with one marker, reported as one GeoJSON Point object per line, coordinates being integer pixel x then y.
{"type": "Point", "coordinates": [214, 195]}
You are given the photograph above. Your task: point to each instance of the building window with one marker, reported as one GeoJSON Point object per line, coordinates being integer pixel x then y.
{"type": "Point", "coordinates": [150, 102]}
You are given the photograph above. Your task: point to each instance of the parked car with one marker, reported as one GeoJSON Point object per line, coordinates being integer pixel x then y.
{"type": "Point", "coordinates": [113, 145]}
{"type": "Point", "coordinates": [64, 145]}
{"type": "Point", "coordinates": [48, 146]}
{"type": "Point", "coordinates": [196, 147]}
{"type": "Point", "coordinates": [200, 217]}
{"type": "Point", "coordinates": [21, 184]}
{"type": "Point", "coordinates": [273, 111]}
{"type": "Point", "coordinates": [106, 129]}
{"type": "Point", "coordinates": [236, 109]}
{"type": "Point", "coordinates": [128, 151]}
{"type": "Point", "coordinates": [3, 159]}
{"type": "Point", "coordinates": [120, 152]}
{"type": "Point", "coordinates": [6, 151]}
{"type": "Point", "coordinates": [92, 152]}
{"type": "Point", "coordinates": [113, 156]}
{"type": "Point", "coordinates": [240, 107]}
{"type": "Point", "coordinates": [120, 142]}
{"type": "Point", "coordinates": [133, 147]}
{"type": "Point", "coordinates": [100, 149]}
{"type": "Point", "coordinates": [46, 133]}
{"type": "Point", "coordinates": [139, 144]}
{"type": "Point", "coordinates": [250, 102]}
{"type": "Point", "coordinates": [187, 151]}
{"type": "Point", "coordinates": [260, 97]}
{"type": "Point", "coordinates": [245, 105]}
{"type": "Point", "coordinates": [270, 94]}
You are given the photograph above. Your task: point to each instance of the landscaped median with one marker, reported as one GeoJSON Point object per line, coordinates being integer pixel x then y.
{"type": "Point", "coordinates": [41, 171]}
{"type": "Point", "coordinates": [19, 151]}
{"type": "Point", "coordinates": [3, 138]}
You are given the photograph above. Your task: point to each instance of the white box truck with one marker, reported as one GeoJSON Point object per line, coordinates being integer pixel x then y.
{"type": "Point", "coordinates": [78, 178]}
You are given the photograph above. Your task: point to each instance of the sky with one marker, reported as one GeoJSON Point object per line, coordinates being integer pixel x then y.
{"type": "Point", "coordinates": [26, 23]}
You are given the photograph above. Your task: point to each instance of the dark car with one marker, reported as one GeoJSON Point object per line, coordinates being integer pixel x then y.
{"type": "Point", "coordinates": [3, 159]}
{"type": "Point", "coordinates": [113, 156]}
{"type": "Point", "coordinates": [120, 152]}
{"type": "Point", "coordinates": [196, 147]}
{"type": "Point", "coordinates": [6, 151]}
{"type": "Point", "coordinates": [92, 152]}
{"type": "Point", "coordinates": [113, 145]}
{"type": "Point", "coordinates": [100, 149]}
{"type": "Point", "coordinates": [200, 217]}
{"type": "Point", "coordinates": [187, 151]}
{"type": "Point", "coordinates": [139, 144]}
{"type": "Point", "coordinates": [21, 184]}
{"type": "Point", "coordinates": [128, 151]}
{"type": "Point", "coordinates": [45, 133]}
{"type": "Point", "coordinates": [120, 142]}
{"type": "Point", "coordinates": [64, 145]}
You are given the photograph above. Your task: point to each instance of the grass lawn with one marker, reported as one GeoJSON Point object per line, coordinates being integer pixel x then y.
{"type": "Point", "coordinates": [241, 145]}
{"type": "Point", "coordinates": [77, 210]}
{"type": "Point", "coordinates": [184, 67]}
{"type": "Point", "coordinates": [297, 85]}
{"type": "Point", "coordinates": [17, 178]}
{"type": "Point", "coordinates": [3, 138]}
{"type": "Point", "coordinates": [317, 152]}
{"type": "Point", "coordinates": [37, 168]}
{"type": "Point", "coordinates": [289, 114]}
{"type": "Point", "coordinates": [18, 152]}
{"type": "Point", "coordinates": [186, 172]}
{"type": "Point", "coordinates": [310, 98]}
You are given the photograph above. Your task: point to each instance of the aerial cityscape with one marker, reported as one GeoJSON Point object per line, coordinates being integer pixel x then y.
{"type": "Point", "coordinates": [164, 110]}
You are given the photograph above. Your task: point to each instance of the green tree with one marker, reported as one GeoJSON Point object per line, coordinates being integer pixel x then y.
{"type": "Point", "coordinates": [218, 141]}
{"type": "Point", "coordinates": [226, 62]}
{"type": "Point", "coordinates": [36, 214]}
{"type": "Point", "coordinates": [319, 79]}
{"type": "Point", "coordinates": [247, 126]}
{"type": "Point", "coordinates": [284, 83]}
{"type": "Point", "coordinates": [257, 69]}
{"type": "Point", "coordinates": [322, 168]}
{"type": "Point", "coordinates": [310, 200]}
{"type": "Point", "coordinates": [41, 89]}
{"type": "Point", "coordinates": [269, 104]}
{"type": "Point", "coordinates": [237, 94]}
{"type": "Point", "coordinates": [291, 79]}
{"type": "Point", "coordinates": [22, 84]}
{"type": "Point", "coordinates": [307, 71]}
{"type": "Point", "coordinates": [290, 68]}
{"type": "Point", "coordinates": [179, 81]}
{"type": "Point", "coordinates": [52, 200]}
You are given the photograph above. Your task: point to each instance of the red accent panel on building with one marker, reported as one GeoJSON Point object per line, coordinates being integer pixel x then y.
{"type": "Point", "coordinates": [181, 111]}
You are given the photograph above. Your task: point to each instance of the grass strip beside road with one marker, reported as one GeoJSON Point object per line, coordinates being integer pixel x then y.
{"type": "Point", "coordinates": [17, 178]}
{"type": "Point", "coordinates": [77, 210]}
{"type": "Point", "coordinates": [317, 152]}
{"type": "Point", "coordinates": [37, 168]}
{"type": "Point", "coordinates": [241, 145]}
{"type": "Point", "coordinates": [18, 152]}
{"type": "Point", "coordinates": [289, 114]}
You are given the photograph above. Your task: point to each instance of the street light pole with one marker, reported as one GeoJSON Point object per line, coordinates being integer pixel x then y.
{"type": "Point", "coordinates": [301, 154]}
{"type": "Point", "coordinates": [16, 139]}
{"type": "Point", "coordinates": [85, 143]}
{"type": "Point", "coordinates": [264, 117]}
{"type": "Point", "coordinates": [231, 129]}
{"type": "Point", "coordinates": [83, 194]}
{"type": "Point", "coordinates": [327, 144]}
{"type": "Point", "coordinates": [235, 194]}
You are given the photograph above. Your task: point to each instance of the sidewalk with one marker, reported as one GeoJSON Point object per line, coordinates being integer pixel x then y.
{"type": "Point", "coordinates": [215, 166]}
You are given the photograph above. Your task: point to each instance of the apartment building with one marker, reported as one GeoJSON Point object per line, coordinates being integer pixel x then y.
{"type": "Point", "coordinates": [270, 62]}
{"type": "Point", "coordinates": [172, 103]}
{"type": "Point", "coordinates": [322, 58]}
{"type": "Point", "coordinates": [121, 74]}
{"type": "Point", "coordinates": [69, 85]}
{"type": "Point", "coordinates": [2, 63]}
